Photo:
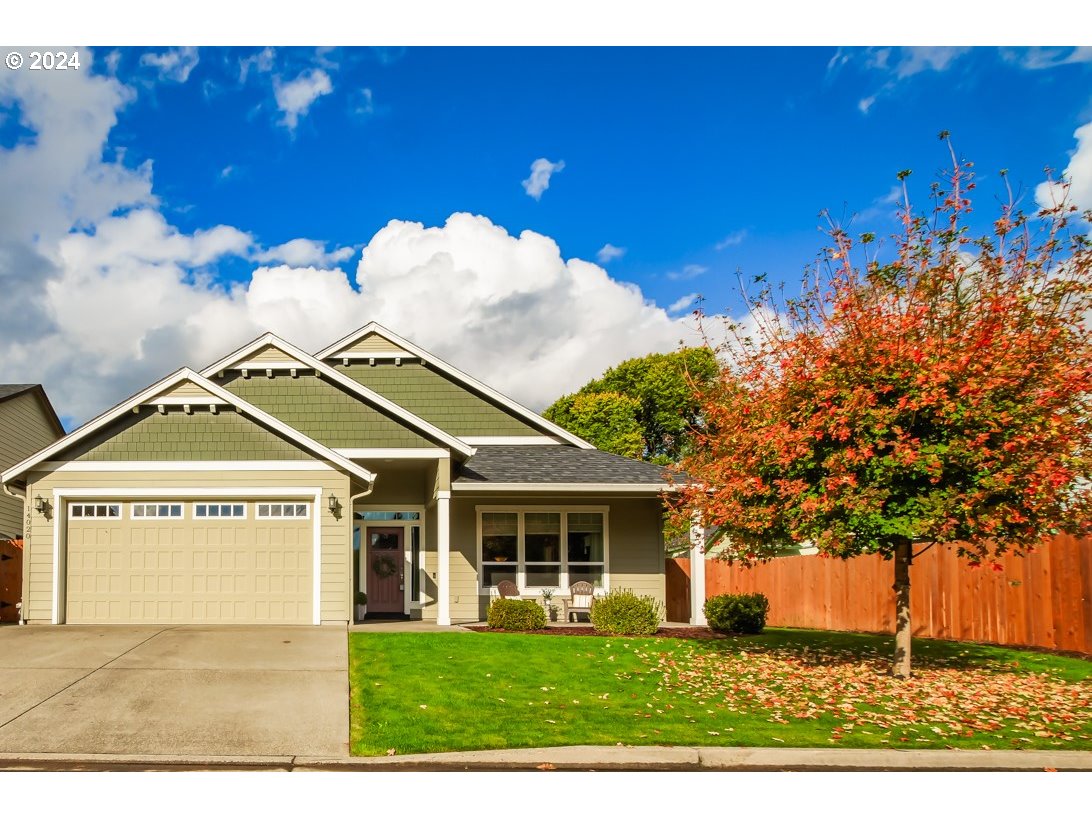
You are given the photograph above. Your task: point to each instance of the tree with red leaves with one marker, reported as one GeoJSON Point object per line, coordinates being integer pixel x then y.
{"type": "Point", "coordinates": [938, 393]}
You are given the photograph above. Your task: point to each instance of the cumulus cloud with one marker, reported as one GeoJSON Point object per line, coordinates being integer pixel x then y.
{"type": "Point", "coordinates": [295, 97]}
{"type": "Point", "coordinates": [731, 240]}
{"type": "Point", "coordinates": [608, 253]}
{"type": "Point", "coordinates": [304, 253]}
{"type": "Point", "coordinates": [261, 61]}
{"type": "Point", "coordinates": [175, 64]}
{"type": "Point", "coordinates": [690, 271]}
{"type": "Point", "coordinates": [539, 180]}
{"type": "Point", "coordinates": [1078, 172]}
{"type": "Point", "coordinates": [102, 294]}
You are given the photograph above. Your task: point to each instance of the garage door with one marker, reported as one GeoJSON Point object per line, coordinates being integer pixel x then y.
{"type": "Point", "coordinates": [230, 561]}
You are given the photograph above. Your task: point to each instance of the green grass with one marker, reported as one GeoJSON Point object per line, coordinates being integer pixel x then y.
{"type": "Point", "coordinates": [428, 692]}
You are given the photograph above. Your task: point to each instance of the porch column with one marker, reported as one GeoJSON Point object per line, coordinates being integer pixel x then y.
{"type": "Point", "coordinates": [443, 558]}
{"type": "Point", "coordinates": [697, 573]}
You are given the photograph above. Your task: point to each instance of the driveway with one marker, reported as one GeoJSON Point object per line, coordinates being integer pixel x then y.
{"type": "Point", "coordinates": [194, 690]}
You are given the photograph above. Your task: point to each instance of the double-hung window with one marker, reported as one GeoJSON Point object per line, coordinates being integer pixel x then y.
{"type": "Point", "coordinates": [542, 547]}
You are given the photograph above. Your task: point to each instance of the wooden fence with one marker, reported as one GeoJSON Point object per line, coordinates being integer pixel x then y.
{"type": "Point", "coordinates": [11, 579]}
{"type": "Point", "coordinates": [1044, 599]}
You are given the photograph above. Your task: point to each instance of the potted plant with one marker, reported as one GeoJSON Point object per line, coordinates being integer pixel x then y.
{"type": "Point", "coordinates": [361, 606]}
{"type": "Point", "coordinates": [547, 604]}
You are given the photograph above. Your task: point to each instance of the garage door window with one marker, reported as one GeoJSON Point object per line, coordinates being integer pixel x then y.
{"type": "Point", "coordinates": [273, 511]}
{"type": "Point", "coordinates": [94, 510]}
{"type": "Point", "coordinates": [219, 510]}
{"type": "Point", "coordinates": [157, 510]}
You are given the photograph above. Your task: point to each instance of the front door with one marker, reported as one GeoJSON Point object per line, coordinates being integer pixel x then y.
{"type": "Point", "coordinates": [385, 565]}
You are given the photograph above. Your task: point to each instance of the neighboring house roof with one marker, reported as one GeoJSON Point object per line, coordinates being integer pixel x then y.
{"type": "Point", "coordinates": [210, 389]}
{"type": "Point", "coordinates": [560, 467]}
{"type": "Point", "coordinates": [361, 392]}
{"type": "Point", "coordinates": [8, 391]}
{"type": "Point", "coordinates": [337, 349]}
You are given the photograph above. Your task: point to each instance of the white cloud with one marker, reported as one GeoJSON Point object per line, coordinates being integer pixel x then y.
{"type": "Point", "coordinates": [102, 294]}
{"type": "Point", "coordinates": [1078, 172]}
{"type": "Point", "coordinates": [295, 97]}
{"type": "Point", "coordinates": [174, 64]}
{"type": "Point", "coordinates": [304, 253]}
{"type": "Point", "coordinates": [262, 62]}
{"type": "Point", "coordinates": [364, 104]}
{"type": "Point", "coordinates": [897, 64]}
{"type": "Point", "coordinates": [731, 240]}
{"type": "Point", "coordinates": [690, 271]}
{"type": "Point", "coordinates": [608, 253]}
{"type": "Point", "coordinates": [539, 180]}
{"type": "Point", "coordinates": [1035, 59]}
{"type": "Point", "coordinates": [683, 303]}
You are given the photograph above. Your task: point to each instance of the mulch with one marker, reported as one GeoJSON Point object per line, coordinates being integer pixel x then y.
{"type": "Point", "coordinates": [576, 631]}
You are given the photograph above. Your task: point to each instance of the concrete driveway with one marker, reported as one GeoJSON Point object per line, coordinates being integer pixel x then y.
{"type": "Point", "coordinates": [198, 690]}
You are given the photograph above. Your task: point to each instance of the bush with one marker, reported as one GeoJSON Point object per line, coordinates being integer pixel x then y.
{"type": "Point", "coordinates": [516, 615]}
{"type": "Point", "coordinates": [625, 613]}
{"type": "Point", "coordinates": [737, 613]}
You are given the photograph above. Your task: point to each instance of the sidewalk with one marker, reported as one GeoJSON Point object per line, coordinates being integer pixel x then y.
{"type": "Point", "coordinates": [588, 758]}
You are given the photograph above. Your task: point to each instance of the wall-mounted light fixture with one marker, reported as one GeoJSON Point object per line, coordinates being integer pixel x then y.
{"type": "Point", "coordinates": [40, 504]}
{"type": "Point", "coordinates": [331, 503]}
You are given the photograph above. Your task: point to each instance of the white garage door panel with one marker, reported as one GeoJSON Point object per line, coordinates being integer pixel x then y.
{"type": "Point", "coordinates": [187, 571]}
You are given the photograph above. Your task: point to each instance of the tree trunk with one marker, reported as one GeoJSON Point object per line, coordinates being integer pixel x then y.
{"type": "Point", "coordinates": [903, 557]}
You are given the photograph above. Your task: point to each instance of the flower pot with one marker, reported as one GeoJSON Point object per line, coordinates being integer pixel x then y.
{"type": "Point", "coordinates": [360, 612]}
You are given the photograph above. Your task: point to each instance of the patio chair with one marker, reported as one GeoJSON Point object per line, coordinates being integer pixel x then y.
{"type": "Point", "coordinates": [580, 599]}
{"type": "Point", "coordinates": [506, 588]}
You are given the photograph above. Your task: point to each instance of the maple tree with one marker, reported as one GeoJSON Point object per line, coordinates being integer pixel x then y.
{"type": "Point", "coordinates": [936, 393]}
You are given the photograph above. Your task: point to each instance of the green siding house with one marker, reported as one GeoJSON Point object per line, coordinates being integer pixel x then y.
{"type": "Point", "coordinates": [276, 486]}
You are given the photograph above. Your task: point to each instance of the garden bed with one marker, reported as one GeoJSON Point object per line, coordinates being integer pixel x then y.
{"type": "Point", "coordinates": [696, 633]}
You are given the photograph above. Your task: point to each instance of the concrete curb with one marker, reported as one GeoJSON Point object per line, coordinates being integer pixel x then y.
{"type": "Point", "coordinates": [585, 758]}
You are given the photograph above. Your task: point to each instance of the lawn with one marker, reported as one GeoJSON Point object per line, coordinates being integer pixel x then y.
{"type": "Point", "coordinates": [421, 692]}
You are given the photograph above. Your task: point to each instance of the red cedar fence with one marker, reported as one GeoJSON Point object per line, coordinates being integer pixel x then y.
{"type": "Point", "coordinates": [11, 579]}
{"type": "Point", "coordinates": [1044, 599]}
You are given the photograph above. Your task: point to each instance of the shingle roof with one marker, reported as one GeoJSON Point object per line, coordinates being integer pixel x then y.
{"type": "Point", "coordinates": [555, 464]}
{"type": "Point", "coordinates": [12, 390]}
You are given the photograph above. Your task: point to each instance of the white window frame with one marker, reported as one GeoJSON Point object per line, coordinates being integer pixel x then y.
{"type": "Point", "coordinates": [408, 603]}
{"type": "Point", "coordinates": [146, 506]}
{"type": "Point", "coordinates": [259, 516]}
{"type": "Point", "coordinates": [562, 589]}
{"type": "Point", "coordinates": [232, 503]}
{"type": "Point", "coordinates": [75, 511]}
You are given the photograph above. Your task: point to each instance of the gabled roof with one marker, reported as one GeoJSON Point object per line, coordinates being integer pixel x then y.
{"type": "Point", "coordinates": [218, 393]}
{"type": "Point", "coordinates": [369, 396]}
{"type": "Point", "coordinates": [544, 467]}
{"type": "Point", "coordinates": [9, 391]}
{"type": "Point", "coordinates": [455, 374]}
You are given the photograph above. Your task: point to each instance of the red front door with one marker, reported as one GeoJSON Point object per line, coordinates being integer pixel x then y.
{"type": "Point", "coordinates": [386, 560]}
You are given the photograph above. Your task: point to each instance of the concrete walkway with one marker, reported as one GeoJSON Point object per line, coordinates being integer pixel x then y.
{"type": "Point", "coordinates": [588, 758]}
{"type": "Point", "coordinates": [74, 691]}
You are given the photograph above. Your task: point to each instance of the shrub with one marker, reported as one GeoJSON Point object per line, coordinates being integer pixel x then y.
{"type": "Point", "coordinates": [515, 615]}
{"type": "Point", "coordinates": [625, 613]}
{"type": "Point", "coordinates": [737, 613]}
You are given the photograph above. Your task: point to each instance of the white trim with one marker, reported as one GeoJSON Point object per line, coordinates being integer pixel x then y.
{"type": "Point", "coordinates": [185, 466]}
{"type": "Point", "coordinates": [322, 369]}
{"type": "Point", "coordinates": [255, 367]}
{"type": "Point", "coordinates": [563, 563]}
{"type": "Point", "coordinates": [315, 492]}
{"type": "Point", "coordinates": [394, 452]}
{"type": "Point", "coordinates": [120, 515]}
{"type": "Point", "coordinates": [443, 559]}
{"type": "Point", "coordinates": [185, 401]}
{"type": "Point", "coordinates": [135, 518]}
{"type": "Point", "coordinates": [458, 375]}
{"type": "Point", "coordinates": [186, 374]}
{"type": "Point", "coordinates": [697, 573]}
{"type": "Point", "coordinates": [408, 603]}
{"type": "Point", "coordinates": [378, 355]}
{"type": "Point", "coordinates": [513, 440]}
{"type": "Point", "coordinates": [485, 487]}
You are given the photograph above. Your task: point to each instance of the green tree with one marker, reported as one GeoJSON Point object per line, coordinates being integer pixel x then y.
{"type": "Point", "coordinates": [642, 408]}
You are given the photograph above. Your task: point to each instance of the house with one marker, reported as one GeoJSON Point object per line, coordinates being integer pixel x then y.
{"type": "Point", "coordinates": [274, 485]}
{"type": "Point", "coordinates": [27, 423]}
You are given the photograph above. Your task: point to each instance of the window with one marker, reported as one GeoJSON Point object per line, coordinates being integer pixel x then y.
{"type": "Point", "coordinates": [156, 510]}
{"type": "Point", "coordinates": [94, 510]}
{"type": "Point", "coordinates": [219, 510]}
{"type": "Point", "coordinates": [415, 564]}
{"type": "Point", "coordinates": [540, 548]}
{"type": "Point", "coordinates": [274, 511]}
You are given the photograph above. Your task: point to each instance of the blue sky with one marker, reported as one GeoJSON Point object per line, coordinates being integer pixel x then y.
{"type": "Point", "coordinates": [693, 162]}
